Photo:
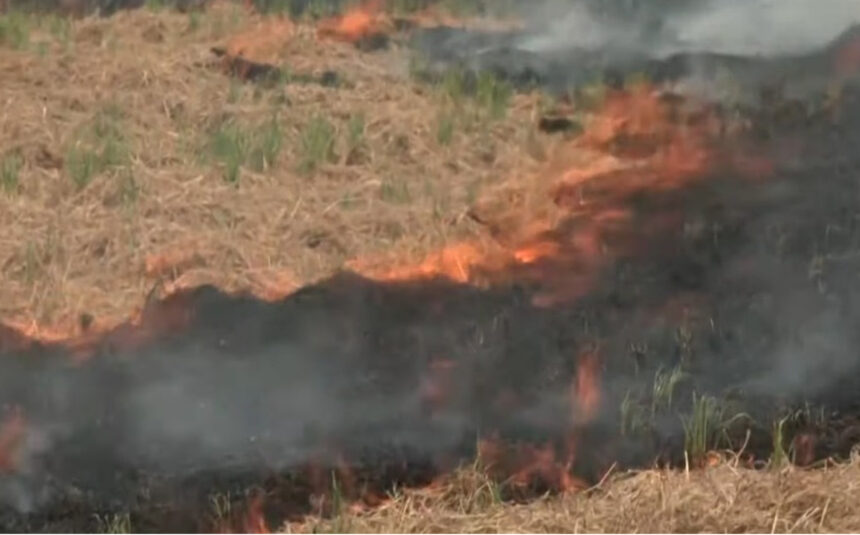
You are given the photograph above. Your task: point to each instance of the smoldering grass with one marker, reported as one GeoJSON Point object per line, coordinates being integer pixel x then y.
{"type": "Point", "coordinates": [708, 425]}
{"type": "Point", "coordinates": [10, 171]}
{"type": "Point", "coordinates": [341, 522]}
{"type": "Point", "coordinates": [633, 416]}
{"type": "Point", "coordinates": [810, 416]}
{"type": "Point", "coordinates": [779, 456]}
{"type": "Point", "coordinates": [316, 144]}
{"type": "Point", "coordinates": [114, 523]}
{"type": "Point", "coordinates": [663, 388]}
{"type": "Point", "coordinates": [684, 339]}
{"type": "Point", "coordinates": [220, 509]}
{"type": "Point", "coordinates": [466, 491]}
{"type": "Point", "coordinates": [471, 488]}
{"type": "Point", "coordinates": [700, 428]}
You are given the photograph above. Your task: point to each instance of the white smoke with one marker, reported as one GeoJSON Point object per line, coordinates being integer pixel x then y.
{"type": "Point", "coordinates": [763, 27]}
{"type": "Point", "coordinates": [741, 27]}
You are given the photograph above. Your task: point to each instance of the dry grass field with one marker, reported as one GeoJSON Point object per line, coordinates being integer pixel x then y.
{"type": "Point", "coordinates": [719, 499]}
{"type": "Point", "coordinates": [132, 161]}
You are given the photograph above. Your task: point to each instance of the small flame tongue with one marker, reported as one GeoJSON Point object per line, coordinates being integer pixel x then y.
{"type": "Point", "coordinates": [255, 521]}
{"type": "Point", "coordinates": [360, 22]}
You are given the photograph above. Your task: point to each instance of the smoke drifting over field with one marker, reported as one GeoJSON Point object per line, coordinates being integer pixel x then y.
{"type": "Point", "coordinates": [738, 27]}
{"type": "Point", "coordinates": [718, 49]}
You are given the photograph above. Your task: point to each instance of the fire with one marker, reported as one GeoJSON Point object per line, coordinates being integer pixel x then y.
{"type": "Point", "coordinates": [456, 262]}
{"type": "Point", "coordinates": [523, 466]}
{"type": "Point", "coordinates": [358, 23]}
{"type": "Point", "coordinates": [636, 142]}
{"type": "Point", "coordinates": [255, 521]}
{"type": "Point", "coordinates": [250, 54]}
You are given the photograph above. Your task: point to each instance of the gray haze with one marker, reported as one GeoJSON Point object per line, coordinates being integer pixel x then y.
{"type": "Point", "coordinates": [740, 27]}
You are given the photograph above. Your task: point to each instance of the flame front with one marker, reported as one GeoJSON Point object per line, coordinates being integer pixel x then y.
{"type": "Point", "coordinates": [635, 143]}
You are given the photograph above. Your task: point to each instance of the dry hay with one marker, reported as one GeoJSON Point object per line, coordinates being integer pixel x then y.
{"type": "Point", "coordinates": [723, 498]}
{"type": "Point", "coordinates": [164, 214]}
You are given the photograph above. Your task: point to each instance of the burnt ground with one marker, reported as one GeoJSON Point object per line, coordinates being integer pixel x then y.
{"type": "Point", "coordinates": [748, 292]}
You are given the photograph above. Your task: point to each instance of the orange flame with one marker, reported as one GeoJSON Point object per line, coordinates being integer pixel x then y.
{"type": "Point", "coordinates": [637, 142]}
{"type": "Point", "coordinates": [362, 21]}
{"type": "Point", "coordinates": [255, 521]}
{"type": "Point", "coordinates": [524, 465]}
